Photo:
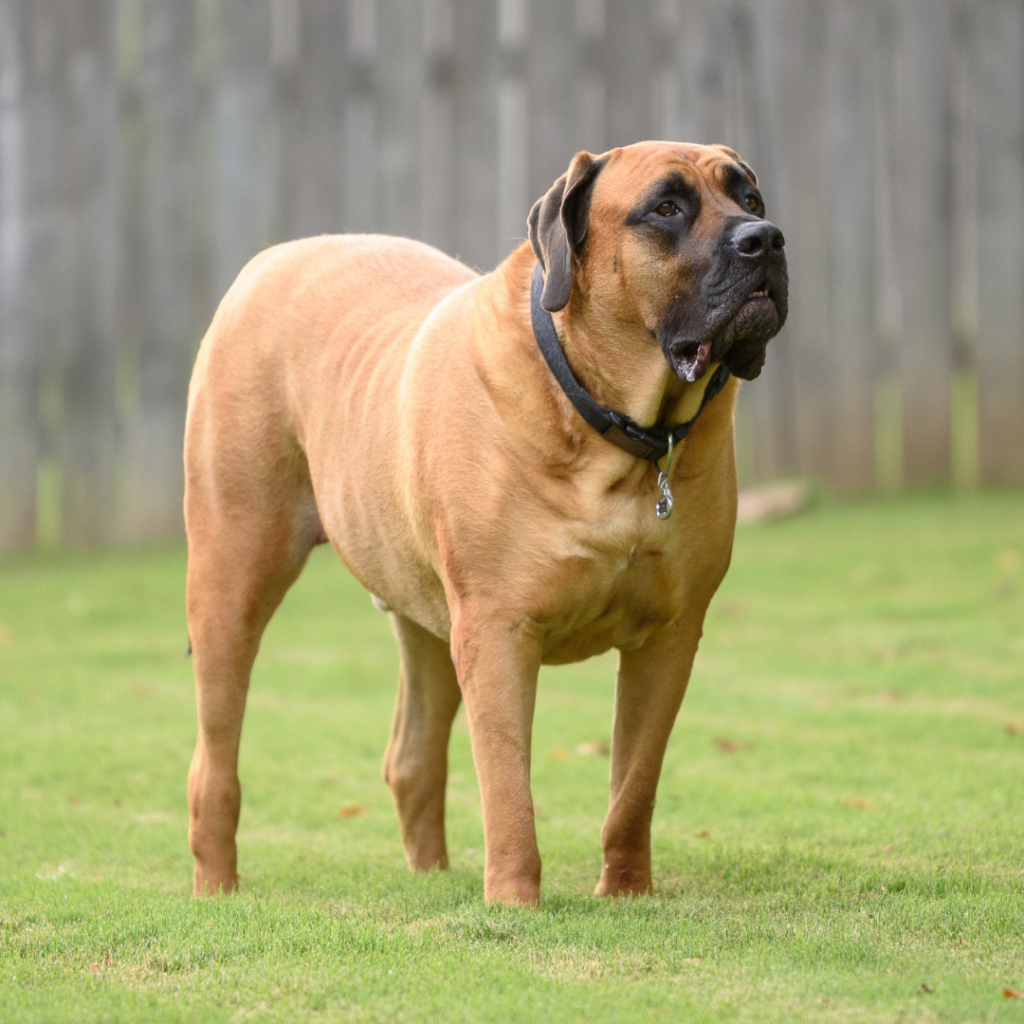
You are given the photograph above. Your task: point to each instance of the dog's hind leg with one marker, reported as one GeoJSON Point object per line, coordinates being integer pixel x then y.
{"type": "Point", "coordinates": [237, 576]}
{"type": "Point", "coordinates": [251, 521]}
{"type": "Point", "coordinates": [416, 762]}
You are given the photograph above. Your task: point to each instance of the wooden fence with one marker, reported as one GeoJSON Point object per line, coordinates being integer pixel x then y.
{"type": "Point", "coordinates": [149, 148]}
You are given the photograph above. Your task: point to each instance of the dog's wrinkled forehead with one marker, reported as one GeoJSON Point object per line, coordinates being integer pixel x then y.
{"type": "Point", "coordinates": [635, 174]}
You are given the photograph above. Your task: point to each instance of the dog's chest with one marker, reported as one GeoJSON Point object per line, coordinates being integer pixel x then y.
{"type": "Point", "coordinates": [615, 582]}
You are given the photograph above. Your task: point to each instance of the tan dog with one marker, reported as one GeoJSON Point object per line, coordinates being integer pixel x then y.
{"type": "Point", "coordinates": [373, 392]}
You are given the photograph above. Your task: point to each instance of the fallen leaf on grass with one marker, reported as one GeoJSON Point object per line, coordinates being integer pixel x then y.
{"type": "Point", "coordinates": [352, 811]}
{"type": "Point", "coordinates": [95, 966]}
{"type": "Point", "coordinates": [729, 746]}
{"type": "Point", "coordinates": [887, 848]}
{"type": "Point", "coordinates": [1008, 560]}
{"type": "Point", "coordinates": [858, 801]}
{"type": "Point", "coordinates": [703, 834]}
{"type": "Point", "coordinates": [1012, 993]}
{"type": "Point", "coordinates": [889, 697]}
{"type": "Point", "coordinates": [153, 818]}
{"type": "Point", "coordinates": [1015, 728]}
{"type": "Point", "coordinates": [74, 801]}
{"type": "Point", "coordinates": [694, 960]}
{"type": "Point", "coordinates": [926, 988]}
{"type": "Point", "coordinates": [593, 748]}
{"type": "Point", "coordinates": [560, 754]}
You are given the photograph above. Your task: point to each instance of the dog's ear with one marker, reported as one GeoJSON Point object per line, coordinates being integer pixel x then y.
{"type": "Point", "coordinates": [558, 227]}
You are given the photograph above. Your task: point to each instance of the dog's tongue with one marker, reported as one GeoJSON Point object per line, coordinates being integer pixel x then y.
{"type": "Point", "coordinates": [693, 360]}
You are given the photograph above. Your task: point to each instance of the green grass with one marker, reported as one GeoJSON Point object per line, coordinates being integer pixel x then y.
{"type": "Point", "coordinates": [862, 836]}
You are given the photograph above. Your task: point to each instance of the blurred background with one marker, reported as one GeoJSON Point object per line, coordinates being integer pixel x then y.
{"type": "Point", "coordinates": [149, 148]}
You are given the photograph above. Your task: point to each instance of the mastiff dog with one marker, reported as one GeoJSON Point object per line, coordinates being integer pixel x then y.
{"type": "Point", "coordinates": [525, 467]}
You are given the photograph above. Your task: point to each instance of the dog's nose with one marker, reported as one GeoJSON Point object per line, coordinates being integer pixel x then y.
{"type": "Point", "coordinates": [758, 240]}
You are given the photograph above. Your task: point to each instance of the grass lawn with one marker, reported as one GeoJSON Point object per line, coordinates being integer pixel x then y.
{"type": "Point", "coordinates": [839, 833]}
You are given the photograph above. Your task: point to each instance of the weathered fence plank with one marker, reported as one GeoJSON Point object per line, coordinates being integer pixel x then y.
{"type": "Point", "coordinates": [399, 76]}
{"type": "Point", "coordinates": [756, 51]}
{"type": "Point", "coordinates": [476, 61]}
{"type": "Point", "coordinates": [551, 73]}
{"type": "Point", "coordinates": [245, 137]}
{"type": "Point", "coordinates": [89, 226]}
{"type": "Point", "coordinates": [999, 73]}
{"type": "Point", "coordinates": [922, 199]}
{"type": "Point", "coordinates": [437, 133]}
{"type": "Point", "coordinates": [165, 346]}
{"type": "Point", "coordinates": [591, 91]}
{"type": "Point", "coordinates": [512, 167]}
{"type": "Point", "coordinates": [361, 150]}
{"type": "Point", "coordinates": [627, 71]}
{"type": "Point", "coordinates": [317, 159]}
{"type": "Point", "coordinates": [19, 372]}
{"type": "Point", "coordinates": [848, 184]}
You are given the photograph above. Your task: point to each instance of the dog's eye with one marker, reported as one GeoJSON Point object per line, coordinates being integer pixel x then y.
{"type": "Point", "coordinates": [666, 209]}
{"type": "Point", "coordinates": [752, 203]}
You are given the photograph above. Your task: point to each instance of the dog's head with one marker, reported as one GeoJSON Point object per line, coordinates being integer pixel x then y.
{"type": "Point", "coordinates": [673, 237]}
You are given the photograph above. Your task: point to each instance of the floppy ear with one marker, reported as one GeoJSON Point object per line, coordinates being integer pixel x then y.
{"type": "Point", "coordinates": [558, 227]}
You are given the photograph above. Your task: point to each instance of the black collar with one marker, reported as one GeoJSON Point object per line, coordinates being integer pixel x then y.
{"type": "Point", "coordinates": [643, 442]}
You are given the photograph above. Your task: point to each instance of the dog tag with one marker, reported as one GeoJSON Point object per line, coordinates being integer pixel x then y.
{"type": "Point", "coordinates": [664, 507]}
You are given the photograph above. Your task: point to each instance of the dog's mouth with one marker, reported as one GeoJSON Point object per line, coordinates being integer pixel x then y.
{"type": "Point", "coordinates": [757, 317]}
{"type": "Point", "coordinates": [751, 326]}
{"type": "Point", "coordinates": [690, 359]}
{"type": "Point", "coordinates": [746, 336]}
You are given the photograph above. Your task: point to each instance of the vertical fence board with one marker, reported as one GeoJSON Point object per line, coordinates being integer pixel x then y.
{"type": "Point", "coordinates": [437, 152]}
{"type": "Point", "coordinates": [759, 60]}
{"type": "Point", "coordinates": [512, 167]}
{"type": "Point", "coordinates": [165, 344]}
{"type": "Point", "coordinates": [665, 71]}
{"type": "Point", "coordinates": [285, 59]}
{"type": "Point", "coordinates": [90, 127]}
{"type": "Point", "coordinates": [19, 375]}
{"type": "Point", "coordinates": [476, 137]}
{"type": "Point", "coordinates": [848, 170]}
{"type": "Point", "coordinates": [999, 75]}
{"type": "Point", "coordinates": [400, 74]}
{"type": "Point", "coordinates": [627, 67]}
{"type": "Point", "coordinates": [245, 165]}
{"type": "Point", "coordinates": [361, 117]}
{"type": "Point", "coordinates": [793, 398]}
{"type": "Point", "coordinates": [807, 232]}
{"type": "Point", "coordinates": [318, 156]}
{"type": "Point", "coordinates": [591, 100]}
{"type": "Point", "coordinates": [551, 80]}
{"type": "Point", "coordinates": [46, 159]}
{"type": "Point", "coordinates": [922, 208]}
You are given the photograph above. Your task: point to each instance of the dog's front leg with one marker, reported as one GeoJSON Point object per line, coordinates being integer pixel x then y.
{"type": "Point", "coordinates": [497, 668]}
{"type": "Point", "coordinates": [649, 690]}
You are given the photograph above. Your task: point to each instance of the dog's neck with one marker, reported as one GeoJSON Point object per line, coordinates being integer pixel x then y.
{"type": "Point", "coordinates": [620, 364]}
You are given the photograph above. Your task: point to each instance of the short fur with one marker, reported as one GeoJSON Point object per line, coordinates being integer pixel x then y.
{"type": "Point", "coordinates": [375, 392]}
